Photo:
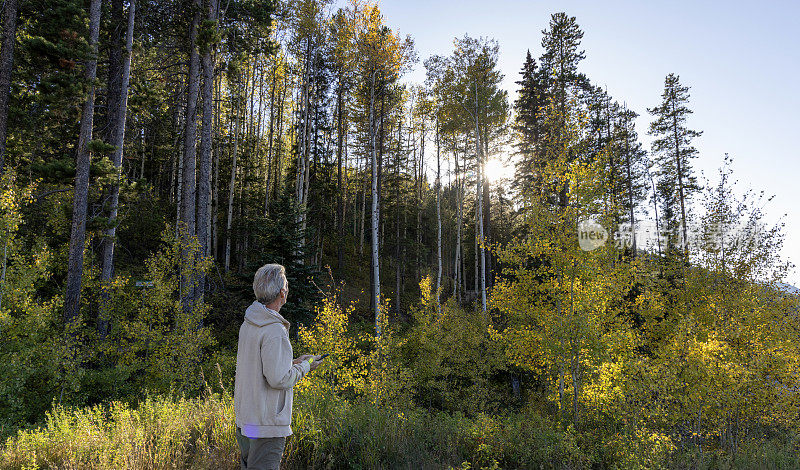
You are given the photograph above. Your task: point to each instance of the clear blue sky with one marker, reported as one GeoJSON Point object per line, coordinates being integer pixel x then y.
{"type": "Point", "coordinates": [740, 59]}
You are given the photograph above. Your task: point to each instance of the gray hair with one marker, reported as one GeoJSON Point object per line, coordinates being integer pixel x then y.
{"type": "Point", "coordinates": [268, 282]}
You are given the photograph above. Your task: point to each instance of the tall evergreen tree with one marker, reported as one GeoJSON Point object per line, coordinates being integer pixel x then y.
{"type": "Point", "coordinates": [208, 40]}
{"type": "Point", "coordinates": [528, 125]}
{"type": "Point", "coordinates": [673, 152]}
{"type": "Point", "coordinates": [563, 83]}
{"type": "Point", "coordinates": [633, 166]}
{"type": "Point", "coordinates": [562, 54]}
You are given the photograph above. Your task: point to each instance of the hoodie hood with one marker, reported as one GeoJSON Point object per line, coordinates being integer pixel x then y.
{"type": "Point", "coordinates": [259, 315]}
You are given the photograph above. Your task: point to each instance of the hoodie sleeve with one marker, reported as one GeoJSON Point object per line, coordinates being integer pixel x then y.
{"type": "Point", "coordinates": [276, 363]}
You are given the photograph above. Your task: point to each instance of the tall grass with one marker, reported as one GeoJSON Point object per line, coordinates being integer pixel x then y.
{"type": "Point", "coordinates": [331, 433]}
{"type": "Point", "coordinates": [161, 433]}
{"type": "Point", "coordinates": [164, 432]}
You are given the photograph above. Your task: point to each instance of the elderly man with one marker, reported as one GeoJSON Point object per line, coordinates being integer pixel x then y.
{"type": "Point", "coordinates": [266, 373]}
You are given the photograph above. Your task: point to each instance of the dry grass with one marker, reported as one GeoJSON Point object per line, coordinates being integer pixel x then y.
{"type": "Point", "coordinates": [162, 433]}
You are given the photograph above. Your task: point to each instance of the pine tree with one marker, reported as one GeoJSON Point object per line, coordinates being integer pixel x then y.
{"type": "Point", "coordinates": [561, 44]}
{"type": "Point", "coordinates": [632, 161]}
{"type": "Point", "coordinates": [673, 153]}
{"type": "Point", "coordinates": [562, 82]}
{"type": "Point", "coordinates": [528, 126]}
{"type": "Point", "coordinates": [208, 38]}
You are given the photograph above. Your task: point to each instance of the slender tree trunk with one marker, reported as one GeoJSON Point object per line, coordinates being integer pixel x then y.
{"type": "Point", "coordinates": [438, 221]}
{"type": "Point", "coordinates": [476, 247]}
{"type": "Point", "coordinates": [246, 158]}
{"type": "Point", "coordinates": [190, 133]}
{"type": "Point", "coordinates": [232, 189]}
{"type": "Point", "coordinates": [188, 227]}
{"type": "Point", "coordinates": [118, 140]}
{"type": "Point", "coordinates": [178, 183]}
{"type": "Point", "coordinates": [479, 215]}
{"type": "Point", "coordinates": [72, 296]}
{"type": "Point", "coordinates": [270, 155]}
{"type": "Point", "coordinates": [303, 167]}
{"type": "Point", "coordinates": [215, 153]}
{"type": "Point", "coordinates": [3, 271]}
{"type": "Point", "coordinates": [6, 67]}
{"type": "Point", "coordinates": [279, 153]}
{"type": "Point", "coordinates": [363, 206]}
{"type": "Point", "coordinates": [397, 249]}
{"type": "Point", "coordinates": [630, 186]}
{"type": "Point", "coordinates": [458, 272]}
{"type": "Point", "coordinates": [143, 147]}
{"type": "Point", "coordinates": [312, 105]}
{"type": "Point", "coordinates": [487, 218]}
{"type": "Point", "coordinates": [205, 160]}
{"type": "Point", "coordinates": [419, 175]}
{"type": "Point", "coordinates": [174, 185]}
{"type": "Point", "coordinates": [379, 130]}
{"type": "Point", "coordinates": [116, 47]}
{"type": "Point", "coordinates": [258, 142]}
{"type": "Point", "coordinates": [340, 184]}
{"type": "Point", "coordinates": [655, 208]}
{"type": "Point", "coordinates": [345, 179]}
{"type": "Point", "coordinates": [376, 271]}
{"type": "Point", "coordinates": [576, 374]}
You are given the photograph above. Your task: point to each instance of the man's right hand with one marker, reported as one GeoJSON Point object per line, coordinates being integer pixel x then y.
{"type": "Point", "coordinates": [302, 358]}
{"type": "Point", "coordinates": [316, 362]}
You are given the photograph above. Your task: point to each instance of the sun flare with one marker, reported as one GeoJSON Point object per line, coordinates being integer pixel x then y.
{"type": "Point", "coordinates": [497, 170]}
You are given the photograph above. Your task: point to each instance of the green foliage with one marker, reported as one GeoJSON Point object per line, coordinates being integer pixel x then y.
{"type": "Point", "coordinates": [159, 341]}
{"type": "Point", "coordinates": [169, 432]}
{"type": "Point", "coordinates": [30, 353]}
{"type": "Point", "coordinates": [674, 153]}
{"type": "Point", "coordinates": [453, 357]}
{"type": "Point", "coordinates": [48, 82]}
{"type": "Point", "coordinates": [155, 344]}
{"type": "Point", "coordinates": [361, 366]}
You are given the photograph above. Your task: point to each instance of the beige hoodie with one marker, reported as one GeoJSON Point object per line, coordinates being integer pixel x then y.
{"type": "Point", "coordinates": [265, 375]}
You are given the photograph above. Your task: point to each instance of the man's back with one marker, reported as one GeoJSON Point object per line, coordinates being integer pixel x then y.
{"type": "Point", "coordinates": [265, 374]}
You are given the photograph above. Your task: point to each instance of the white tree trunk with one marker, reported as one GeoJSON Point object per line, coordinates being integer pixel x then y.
{"type": "Point", "coordinates": [376, 271]}
{"type": "Point", "coordinates": [303, 157]}
{"type": "Point", "coordinates": [479, 214]}
{"type": "Point", "coordinates": [438, 222]}
{"type": "Point", "coordinates": [458, 272]}
{"type": "Point", "coordinates": [231, 192]}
